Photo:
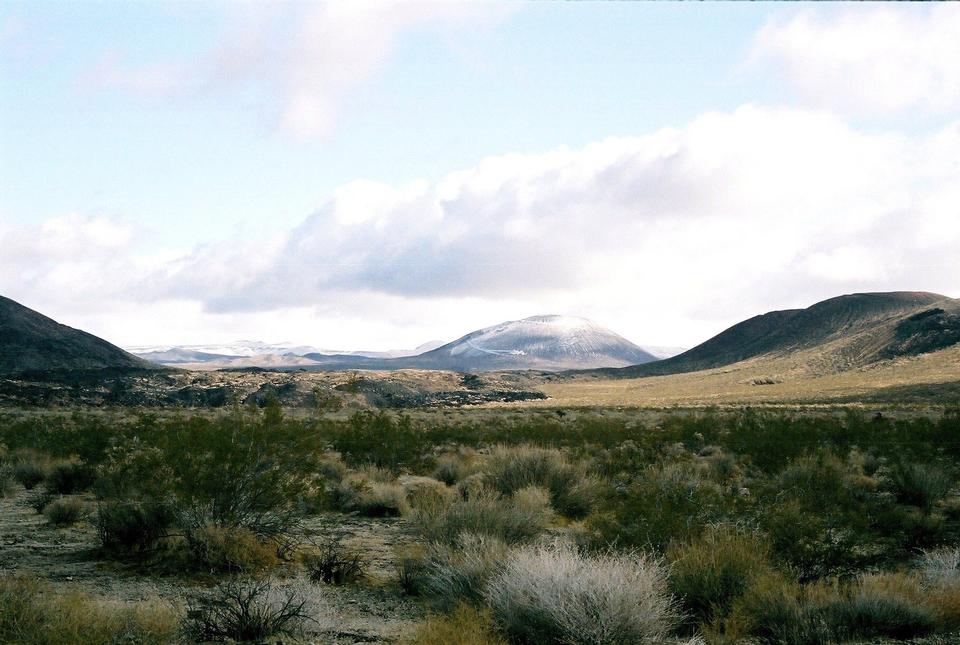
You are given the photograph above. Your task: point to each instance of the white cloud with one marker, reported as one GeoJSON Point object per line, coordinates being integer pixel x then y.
{"type": "Point", "coordinates": [877, 58]}
{"type": "Point", "coordinates": [666, 237]}
{"type": "Point", "coordinates": [310, 58]}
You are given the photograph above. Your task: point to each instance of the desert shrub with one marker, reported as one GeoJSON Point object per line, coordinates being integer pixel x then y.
{"type": "Point", "coordinates": [939, 574]}
{"type": "Point", "coordinates": [664, 503]}
{"type": "Point", "coordinates": [232, 471]}
{"type": "Point", "coordinates": [880, 606]}
{"type": "Point", "coordinates": [64, 511]}
{"type": "Point", "coordinates": [33, 614]}
{"type": "Point", "coordinates": [126, 528]}
{"type": "Point", "coordinates": [511, 519]}
{"type": "Point", "coordinates": [708, 574]}
{"type": "Point", "coordinates": [382, 439]}
{"type": "Point", "coordinates": [553, 593]}
{"type": "Point", "coordinates": [68, 477]}
{"type": "Point", "coordinates": [334, 564]}
{"type": "Point", "coordinates": [940, 567]}
{"type": "Point", "coordinates": [8, 483]}
{"type": "Point", "coordinates": [771, 609]}
{"type": "Point", "coordinates": [29, 473]}
{"type": "Point", "coordinates": [410, 565]}
{"type": "Point", "coordinates": [371, 497]}
{"type": "Point", "coordinates": [921, 485]}
{"type": "Point", "coordinates": [383, 500]}
{"type": "Point", "coordinates": [465, 625]}
{"type": "Point", "coordinates": [332, 468]}
{"type": "Point", "coordinates": [229, 549]}
{"type": "Point", "coordinates": [572, 493]}
{"type": "Point", "coordinates": [453, 467]}
{"type": "Point", "coordinates": [459, 572]}
{"type": "Point", "coordinates": [777, 610]}
{"type": "Point", "coordinates": [245, 611]}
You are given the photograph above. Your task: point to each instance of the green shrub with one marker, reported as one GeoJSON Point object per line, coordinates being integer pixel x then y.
{"type": "Point", "coordinates": [126, 528]}
{"type": "Point", "coordinates": [66, 478]}
{"type": "Point", "coordinates": [921, 485]}
{"type": "Point", "coordinates": [245, 611]}
{"type": "Point", "coordinates": [665, 503]}
{"type": "Point", "coordinates": [708, 574]}
{"type": "Point", "coordinates": [334, 564]}
{"type": "Point", "coordinates": [572, 492]}
{"type": "Point", "coordinates": [554, 594]}
{"type": "Point", "coordinates": [29, 473]}
{"type": "Point", "coordinates": [513, 519]}
{"type": "Point", "coordinates": [64, 511]}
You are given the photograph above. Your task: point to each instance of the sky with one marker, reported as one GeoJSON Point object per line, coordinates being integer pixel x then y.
{"type": "Point", "coordinates": [371, 175]}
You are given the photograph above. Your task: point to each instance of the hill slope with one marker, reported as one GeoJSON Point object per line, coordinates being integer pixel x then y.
{"type": "Point", "coordinates": [833, 335]}
{"type": "Point", "coordinates": [31, 342]}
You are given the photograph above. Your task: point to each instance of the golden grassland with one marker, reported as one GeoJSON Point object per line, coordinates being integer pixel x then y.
{"type": "Point", "coordinates": [801, 378]}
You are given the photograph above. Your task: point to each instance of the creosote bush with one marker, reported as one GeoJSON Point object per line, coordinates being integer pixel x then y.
{"type": "Point", "coordinates": [555, 594]}
{"type": "Point", "coordinates": [64, 511]}
{"type": "Point", "coordinates": [127, 528]}
{"type": "Point", "coordinates": [245, 611]}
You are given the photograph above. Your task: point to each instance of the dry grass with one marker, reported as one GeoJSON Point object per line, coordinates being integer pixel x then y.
{"type": "Point", "coordinates": [465, 625]}
{"type": "Point", "coordinates": [32, 614]}
{"type": "Point", "coordinates": [802, 381]}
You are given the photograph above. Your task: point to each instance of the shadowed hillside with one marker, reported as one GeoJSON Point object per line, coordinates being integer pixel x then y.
{"type": "Point", "coordinates": [851, 331]}
{"type": "Point", "coordinates": [31, 342]}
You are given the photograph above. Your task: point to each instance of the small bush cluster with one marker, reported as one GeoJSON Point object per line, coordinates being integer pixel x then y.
{"type": "Point", "coordinates": [513, 468]}
{"type": "Point", "coordinates": [64, 511]}
{"type": "Point", "coordinates": [334, 564]}
{"type": "Point", "coordinates": [229, 549]}
{"type": "Point", "coordinates": [512, 519]}
{"type": "Point", "coordinates": [245, 611]}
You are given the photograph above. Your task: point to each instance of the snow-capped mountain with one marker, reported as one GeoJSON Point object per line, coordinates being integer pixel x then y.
{"type": "Point", "coordinates": [538, 342]}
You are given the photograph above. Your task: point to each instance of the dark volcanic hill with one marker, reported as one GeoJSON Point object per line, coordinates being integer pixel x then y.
{"type": "Point", "coordinates": [31, 342]}
{"type": "Point", "coordinates": [840, 333]}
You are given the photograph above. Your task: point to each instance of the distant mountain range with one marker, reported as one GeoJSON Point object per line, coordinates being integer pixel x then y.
{"type": "Point", "coordinates": [835, 335]}
{"type": "Point", "coordinates": [538, 342]}
{"type": "Point", "coordinates": [31, 342]}
{"type": "Point", "coordinates": [845, 333]}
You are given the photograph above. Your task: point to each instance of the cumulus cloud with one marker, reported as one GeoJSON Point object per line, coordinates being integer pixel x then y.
{"type": "Point", "coordinates": [883, 58]}
{"type": "Point", "coordinates": [666, 237]}
{"type": "Point", "coordinates": [309, 58]}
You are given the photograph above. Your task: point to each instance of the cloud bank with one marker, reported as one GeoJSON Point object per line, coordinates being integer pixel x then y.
{"type": "Point", "coordinates": [884, 58]}
{"type": "Point", "coordinates": [733, 214]}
